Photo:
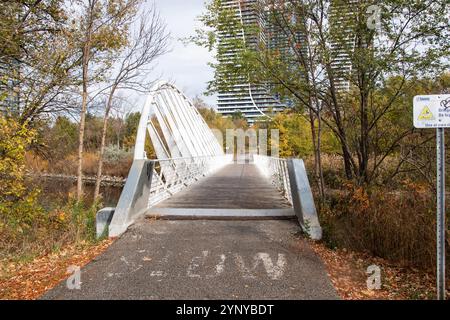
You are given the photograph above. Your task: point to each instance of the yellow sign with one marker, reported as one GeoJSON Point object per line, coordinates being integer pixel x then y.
{"type": "Point", "coordinates": [426, 114]}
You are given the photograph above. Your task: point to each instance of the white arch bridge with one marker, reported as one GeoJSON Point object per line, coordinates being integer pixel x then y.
{"type": "Point", "coordinates": [192, 177]}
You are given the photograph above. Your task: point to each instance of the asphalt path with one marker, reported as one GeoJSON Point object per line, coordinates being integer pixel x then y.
{"type": "Point", "coordinates": [201, 259]}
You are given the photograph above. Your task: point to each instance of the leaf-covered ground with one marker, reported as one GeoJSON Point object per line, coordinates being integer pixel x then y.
{"type": "Point", "coordinates": [347, 271]}
{"type": "Point", "coordinates": [29, 280]}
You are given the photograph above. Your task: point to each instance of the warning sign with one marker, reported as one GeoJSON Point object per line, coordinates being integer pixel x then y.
{"type": "Point", "coordinates": [426, 114]}
{"type": "Point", "coordinates": [432, 111]}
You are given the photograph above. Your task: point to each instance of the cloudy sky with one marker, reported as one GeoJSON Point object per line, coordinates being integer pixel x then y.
{"type": "Point", "coordinates": [186, 66]}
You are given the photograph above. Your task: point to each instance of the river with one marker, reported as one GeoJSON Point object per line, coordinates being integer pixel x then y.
{"type": "Point", "coordinates": [56, 192]}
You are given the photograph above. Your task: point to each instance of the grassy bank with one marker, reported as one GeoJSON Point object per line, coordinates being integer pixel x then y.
{"type": "Point", "coordinates": [46, 231]}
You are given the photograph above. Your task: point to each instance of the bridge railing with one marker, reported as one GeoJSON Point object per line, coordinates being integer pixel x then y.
{"type": "Point", "coordinates": [172, 175]}
{"type": "Point", "coordinates": [276, 169]}
{"type": "Point", "coordinates": [289, 176]}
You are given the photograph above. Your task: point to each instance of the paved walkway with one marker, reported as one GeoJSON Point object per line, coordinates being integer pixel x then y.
{"type": "Point", "coordinates": [205, 260]}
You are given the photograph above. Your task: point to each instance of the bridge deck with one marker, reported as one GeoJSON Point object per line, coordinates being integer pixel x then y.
{"type": "Point", "coordinates": [236, 186]}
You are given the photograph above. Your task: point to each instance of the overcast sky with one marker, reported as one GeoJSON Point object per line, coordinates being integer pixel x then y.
{"type": "Point", "coordinates": [186, 66]}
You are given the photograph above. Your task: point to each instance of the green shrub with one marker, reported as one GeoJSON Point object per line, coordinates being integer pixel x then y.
{"type": "Point", "coordinates": [114, 154]}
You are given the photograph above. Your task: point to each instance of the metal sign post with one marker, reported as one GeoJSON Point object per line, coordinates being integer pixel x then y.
{"type": "Point", "coordinates": [440, 225]}
{"type": "Point", "coordinates": [433, 111]}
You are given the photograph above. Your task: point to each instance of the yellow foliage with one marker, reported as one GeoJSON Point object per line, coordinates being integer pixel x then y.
{"type": "Point", "coordinates": [295, 137]}
{"type": "Point", "coordinates": [18, 207]}
{"type": "Point", "coordinates": [14, 139]}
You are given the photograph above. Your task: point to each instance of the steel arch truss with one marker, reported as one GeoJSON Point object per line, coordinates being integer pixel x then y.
{"type": "Point", "coordinates": [185, 146]}
{"type": "Point", "coordinates": [175, 127]}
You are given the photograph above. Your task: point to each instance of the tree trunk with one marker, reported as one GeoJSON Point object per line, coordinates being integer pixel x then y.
{"type": "Point", "coordinates": [348, 161]}
{"type": "Point", "coordinates": [364, 86]}
{"type": "Point", "coordinates": [364, 141]}
{"type": "Point", "coordinates": [98, 180]}
{"type": "Point", "coordinates": [85, 62]}
{"type": "Point", "coordinates": [319, 158]}
{"type": "Point", "coordinates": [313, 137]}
{"type": "Point", "coordinates": [310, 66]}
{"type": "Point", "coordinates": [80, 146]}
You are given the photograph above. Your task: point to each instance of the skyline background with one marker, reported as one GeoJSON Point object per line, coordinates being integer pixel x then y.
{"type": "Point", "coordinates": [185, 65]}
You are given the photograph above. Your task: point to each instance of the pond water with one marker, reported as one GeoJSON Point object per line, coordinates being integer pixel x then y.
{"type": "Point", "coordinates": [56, 192]}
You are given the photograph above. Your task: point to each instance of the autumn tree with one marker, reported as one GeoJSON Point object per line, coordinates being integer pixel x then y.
{"type": "Point", "coordinates": [134, 65]}
{"type": "Point", "coordinates": [100, 32]}
{"type": "Point", "coordinates": [37, 59]}
{"type": "Point", "coordinates": [406, 41]}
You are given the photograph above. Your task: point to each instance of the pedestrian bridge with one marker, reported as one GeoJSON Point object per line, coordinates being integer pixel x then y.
{"type": "Point", "coordinates": [192, 177]}
{"type": "Point", "coordinates": [196, 223]}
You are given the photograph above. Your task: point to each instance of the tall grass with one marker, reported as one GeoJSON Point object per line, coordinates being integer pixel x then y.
{"type": "Point", "coordinates": [68, 165]}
